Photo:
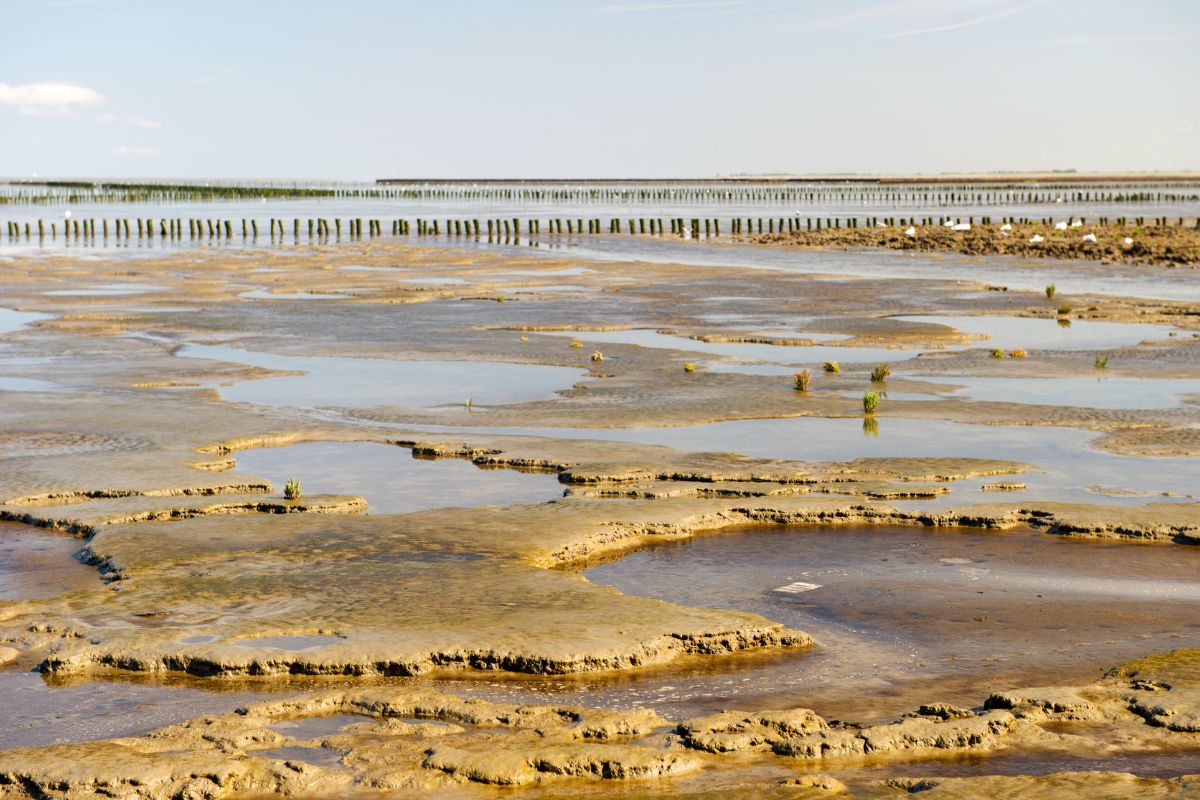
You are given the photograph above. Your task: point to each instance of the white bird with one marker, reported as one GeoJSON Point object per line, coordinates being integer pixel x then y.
{"type": "Point", "coordinates": [950, 223]}
{"type": "Point", "coordinates": [1036, 238]}
{"type": "Point", "coordinates": [67, 214]}
{"type": "Point", "coordinates": [1077, 223]}
{"type": "Point", "coordinates": [1128, 241]}
{"type": "Point", "coordinates": [1060, 226]}
{"type": "Point", "coordinates": [1006, 227]}
{"type": "Point", "coordinates": [1058, 199]}
{"type": "Point", "coordinates": [1089, 237]}
{"type": "Point", "coordinates": [962, 226]}
{"type": "Point", "coordinates": [911, 232]}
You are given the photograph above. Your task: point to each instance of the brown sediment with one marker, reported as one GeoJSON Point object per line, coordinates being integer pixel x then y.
{"type": "Point", "coordinates": [1171, 245]}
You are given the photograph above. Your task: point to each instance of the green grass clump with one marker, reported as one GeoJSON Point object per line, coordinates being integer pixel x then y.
{"type": "Point", "coordinates": [576, 344]}
{"type": "Point", "coordinates": [1064, 309]}
{"type": "Point", "coordinates": [801, 380]}
{"type": "Point", "coordinates": [1050, 290]}
{"type": "Point", "coordinates": [998, 353]}
{"type": "Point", "coordinates": [881, 373]}
{"type": "Point", "coordinates": [832, 366]}
{"type": "Point", "coordinates": [291, 489]}
{"type": "Point", "coordinates": [689, 366]}
{"type": "Point", "coordinates": [597, 357]}
{"type": "Point", "coordinates": [871, 401]}
{"type": "Point", "coordinates": [1018, 353]}
{"type": "Point", "coordinates": [1101, 362]}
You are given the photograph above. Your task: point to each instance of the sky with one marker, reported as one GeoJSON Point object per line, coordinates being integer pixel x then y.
{"type": "Point", "coordinates": [362, 89]}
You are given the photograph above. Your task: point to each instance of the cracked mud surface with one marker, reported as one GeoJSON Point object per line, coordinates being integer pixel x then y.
{"type": "Point", "coordinates": [208, 572]}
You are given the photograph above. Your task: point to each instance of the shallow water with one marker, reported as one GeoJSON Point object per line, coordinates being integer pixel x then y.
{"type": "Point", "coordinates": [12, 320]}
{"type": "Point", "coordinates": [1100, 391]}
{"type": "Point", "coordinates": [359, 382]}
{"type": "Point", "coordinates": [1067, 465]}
{"type": "Point", "coordinates": [899, 606]}
{"type": "Point", "coordinates": [392, 481]}
{"type": "Point", "coordinates": [37, 563]}
{"type": "Point", "coordinates": [1008, 333]}
{"type": "Point", "coordinates": [264, 294]}
{"type": "Point", "coordinates": [28, 385]}
{"type": "Point", "coordinates": [295, 644]}
{"type": "Point", "coordinates": [105, 290]}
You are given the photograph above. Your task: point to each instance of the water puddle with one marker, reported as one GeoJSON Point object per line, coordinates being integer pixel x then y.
{"type": "Point", "coordinates": [392, 481]}
{"type": "Point", "coordinates": [316, 756]}
{"type": "Point", "coordinates": [432, 280]}
{"type": "Point", "coordinates": [37, 563]}
{"type": "Point", "coordinates": [776, 354]}
{"type": "Point", "coordinates": [1098, 392]}
{"type": "Point", "coordinates": [28, 385]}
{"type": "Point", "coordinates": [901, 614]}
{"type": "Point", "coordinates": [12, 320]}
{"type": "Point", "coordinates": [359, 382]}
{"type": "Point", "coordinates": [105, 290]}
{"type": "Point", "coordinates": [263, 294]}
{"type": "Point", "coordinates": [310, 728]}
{"type": "Point", "coordinates": [1009, 333]}
{"type": "Point", "coordinates": [295, 644]}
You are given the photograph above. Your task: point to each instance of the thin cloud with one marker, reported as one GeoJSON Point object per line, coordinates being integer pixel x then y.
{"type": "Point", "coordinates": [127, 151]}
{"type": "Point", "coordinates": [48, 98]}
{"type": "Point", "coordinates": [216, 76]}
{"type": "Point", "coordinates": [967, 23]}
{"type": "Point", "coordinates": [642, 8]}
{"type": "Point", "coordinates": [129, 122]}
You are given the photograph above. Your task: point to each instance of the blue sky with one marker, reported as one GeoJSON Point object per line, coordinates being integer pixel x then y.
{"type": "Point", "coordinates": [480, 88]}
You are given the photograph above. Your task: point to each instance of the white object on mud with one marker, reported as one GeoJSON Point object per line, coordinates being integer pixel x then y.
{"type": "Point", "coordinates": [798, 587]}
{"type": "Point", "coordinates": [1060, 226]}
{"type": "Point", "coordinates": [1089, 237]}
{"type": "Point", "coordinates": [67, 214]}
{"type": "Point", "coordinates": [1128, 241]}
{"type": "Point", "coordinates": [962, 226]}
{"type": "Point", "coordinates": [1036, 238]}
{"type": "Point", "coordinates": [1006, 227]}
{"type": "Point", "coordinates": [1078, 223]}
{"type": "Point", "coordinates": [911, 232]}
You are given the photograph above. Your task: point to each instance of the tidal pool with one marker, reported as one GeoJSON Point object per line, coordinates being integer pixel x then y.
{"type": "Point", "coordinates": [263, 294]}
{"type": "Point", "coordinates": [105, 290]}
{"type": "Point", "coordinates": [910, 615]}
{"type": "Point", "coordinates": [359, 382]}
{"type": "Point", "coordinates": [392, 480]}
{"type": "Point", "coordinates": [1100, 391]}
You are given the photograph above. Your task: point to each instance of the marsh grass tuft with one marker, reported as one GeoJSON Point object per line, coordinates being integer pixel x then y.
{"type": "Point", "coordinates": [1050, 290]}
{"type": "Point", "coordinates": [881, 373]}
{"type": "Point", "coordinates": [832, 367]}
{"type": "Point", "coordinates": [998, 353]}
{"type": "Point", "coordinates": [597, 357]}
{"type": "Point", "coordinates": [689, 366]}
{"type": "Point", "coordinates": [1101, 362]}
{"type": "Point", "coordinates": [871, 400]}
{"type": "Point", "coordinates": [576, 344]}
{"type": "Point", "coordinates": [1064, 309]}
{"type": "Point", "coordinates": [801, 380]}
{"type": "Point", "coordinates": [291, 489]}
{"type": "Point", "coordinates": [1018, 353]}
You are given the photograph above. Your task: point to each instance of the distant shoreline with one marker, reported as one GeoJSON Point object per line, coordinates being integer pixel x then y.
{"type": "Point", "coordinates": [883, 180]}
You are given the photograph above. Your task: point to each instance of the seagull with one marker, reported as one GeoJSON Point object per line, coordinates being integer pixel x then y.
{"type": "Point", "coordinates": [1089, 237]}
{"type": "Point", "coordinates": [1036, 238]}
{"type": "Point", "coordinates": [1060, 226]}
{"type": "Point", "coordinates": [962, 226]}
{"type": "Point", "coordinates": [1077, 223]}
{"type": "Point", "coordinates": [67, 214]}
{"type": "Point", "coordinates": [1128, 241]}
{"type": "Point", "coordinates": [911, 232]}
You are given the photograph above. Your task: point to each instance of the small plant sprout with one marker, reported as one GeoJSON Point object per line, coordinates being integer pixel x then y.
{"type": "Point", "coordinates": [832, 367]}
{"type": "Point", "coordinates": [524, 338]}
{"type": "Point", "coordinates": [1101, 362]}
{"type": "Point", "coordinates": [871, 401]}
{"type": "Point", "coordinates": [689, 366]}
{"type": "Point", "coordinates": [468, 403]}
{"type": "Point", "coordinates": [801, 380]}
{"type": "Point", "coordinates": [881, 373]}
{"type": "Point", "coordinates": [1018, 353]}
{"type": "Point", "coordinates": [1050, 290]}
{"type": "Point", "coordinates": [597, 357]}
{"type": "Point", "coordinates": [998, 353]}
{"type": "Point", "coordinates": [291, 489]}
{"type": "Point", "coordinates": [576, 344]}
{"type": "Point", "coordinates": [1064, 310]}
